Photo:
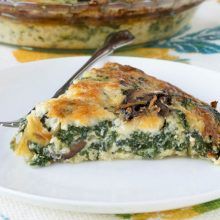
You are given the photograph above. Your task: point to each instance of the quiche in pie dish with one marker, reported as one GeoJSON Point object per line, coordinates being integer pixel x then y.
{"type": "Point", "coordinates": [119, 112]}
{"type": "Point", "coordinates": [85, 24]}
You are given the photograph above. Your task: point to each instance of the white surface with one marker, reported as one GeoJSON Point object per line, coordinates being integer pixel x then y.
{"type": "Point", "coordinates": [103, 187]}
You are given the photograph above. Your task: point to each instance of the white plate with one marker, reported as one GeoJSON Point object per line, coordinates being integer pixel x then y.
{"type": "Point", "coordinates": [103, 187]}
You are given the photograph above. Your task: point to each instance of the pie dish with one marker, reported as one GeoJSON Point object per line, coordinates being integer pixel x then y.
{"type": "Point", "coordinates": [76, 24]}
{"type": "Point", "coordinates": [119, 112]}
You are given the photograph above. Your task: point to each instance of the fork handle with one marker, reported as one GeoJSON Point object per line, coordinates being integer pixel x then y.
{"type": "Point", "coordinates": [112, 42]}
{"type": "Point", "coordinates": [11, 124]}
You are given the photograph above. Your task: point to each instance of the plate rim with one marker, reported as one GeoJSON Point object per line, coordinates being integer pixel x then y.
{"type": "Point", "coordinates": [110, 208]}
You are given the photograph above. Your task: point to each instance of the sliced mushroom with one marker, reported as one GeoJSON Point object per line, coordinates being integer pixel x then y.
{"type": "Point", "coordinates": [136, 104]}
{"type": "Point", "coordinates": [76, 148]}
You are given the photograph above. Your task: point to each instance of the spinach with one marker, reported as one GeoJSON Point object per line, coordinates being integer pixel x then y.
{"type": "Point", "coordinates": [41, 155]}
{"type": "Point", "coordinates": [143, 144]}
{"type": "Point", "coordinates": [84, 153]}
{"type": "Point", "coordinates": [200, 146]}
{"type": "Point", "coordinates": [140, 143]}
{"type": "Point", "coordinates": [72, 134]}
{"type": "Point", "coordinates": [150, 145]}
{"type": "Point", "coordinates": [40, 160]}
{"type": "Point", "coordinates": [103, 144]}
{"type": "Point", "coordinates": [102, 128]}
{"type": "Point", "coordinates": [182, 118]}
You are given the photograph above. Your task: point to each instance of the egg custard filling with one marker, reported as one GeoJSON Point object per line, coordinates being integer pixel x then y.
{"type": "Point", "coordinates": [118, 112]}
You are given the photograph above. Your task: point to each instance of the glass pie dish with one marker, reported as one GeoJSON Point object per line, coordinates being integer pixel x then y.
{"type": "Point", "coordinates": [82, 24]}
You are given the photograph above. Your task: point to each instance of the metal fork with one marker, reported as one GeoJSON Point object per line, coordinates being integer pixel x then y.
{"type": "Point", "coordinates": [112, 42]}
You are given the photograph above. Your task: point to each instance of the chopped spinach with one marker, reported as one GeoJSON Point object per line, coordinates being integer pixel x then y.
{"type": "Point", "coordinates": [41, 156]}
{"type": "Point", "coordinates": [102, 128]}
{"type": "Point", "coordinates": [105, 144]}
{"type": "Point", "coordinates": [182, 118]}
{"type": "Point", "coordinates": [84, 153]}
{"type": "Point", "coordinates": [150, 145]}
{"type": "Point", "coordinates": [200, 146]}
{"type": "Point", "coordinates": [40, 160]}
{"type": "Point", "coordinates": [72, 134]}
{"type": "Point", "coordinates": [101, 145]}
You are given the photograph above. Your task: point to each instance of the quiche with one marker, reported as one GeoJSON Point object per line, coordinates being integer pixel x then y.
{"type": "Point", "coordinates": [85, 24]}
{"type": "Point", "coordinates": [119, 112]}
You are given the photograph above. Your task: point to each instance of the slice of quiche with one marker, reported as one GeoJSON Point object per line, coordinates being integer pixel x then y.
{"type": "Point", "coordinates": [119, 112]}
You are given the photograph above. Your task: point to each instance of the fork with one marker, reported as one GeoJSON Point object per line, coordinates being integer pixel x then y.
{"type": "Point", "coordinates": [112, 42]}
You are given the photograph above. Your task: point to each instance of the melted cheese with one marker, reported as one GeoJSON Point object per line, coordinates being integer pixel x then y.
{"type": "Point", "coordinates": [103, 93]}
{"type": "Point", "coordinates": [145, 123]}
{"type": "Point", "coordinates": [78, 112]}
{"type": "Point", "coordinates": [196, 122]}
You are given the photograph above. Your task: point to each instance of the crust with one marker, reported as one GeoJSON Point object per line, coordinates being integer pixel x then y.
{"type": "Point", "coordinates": [93, 9]}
